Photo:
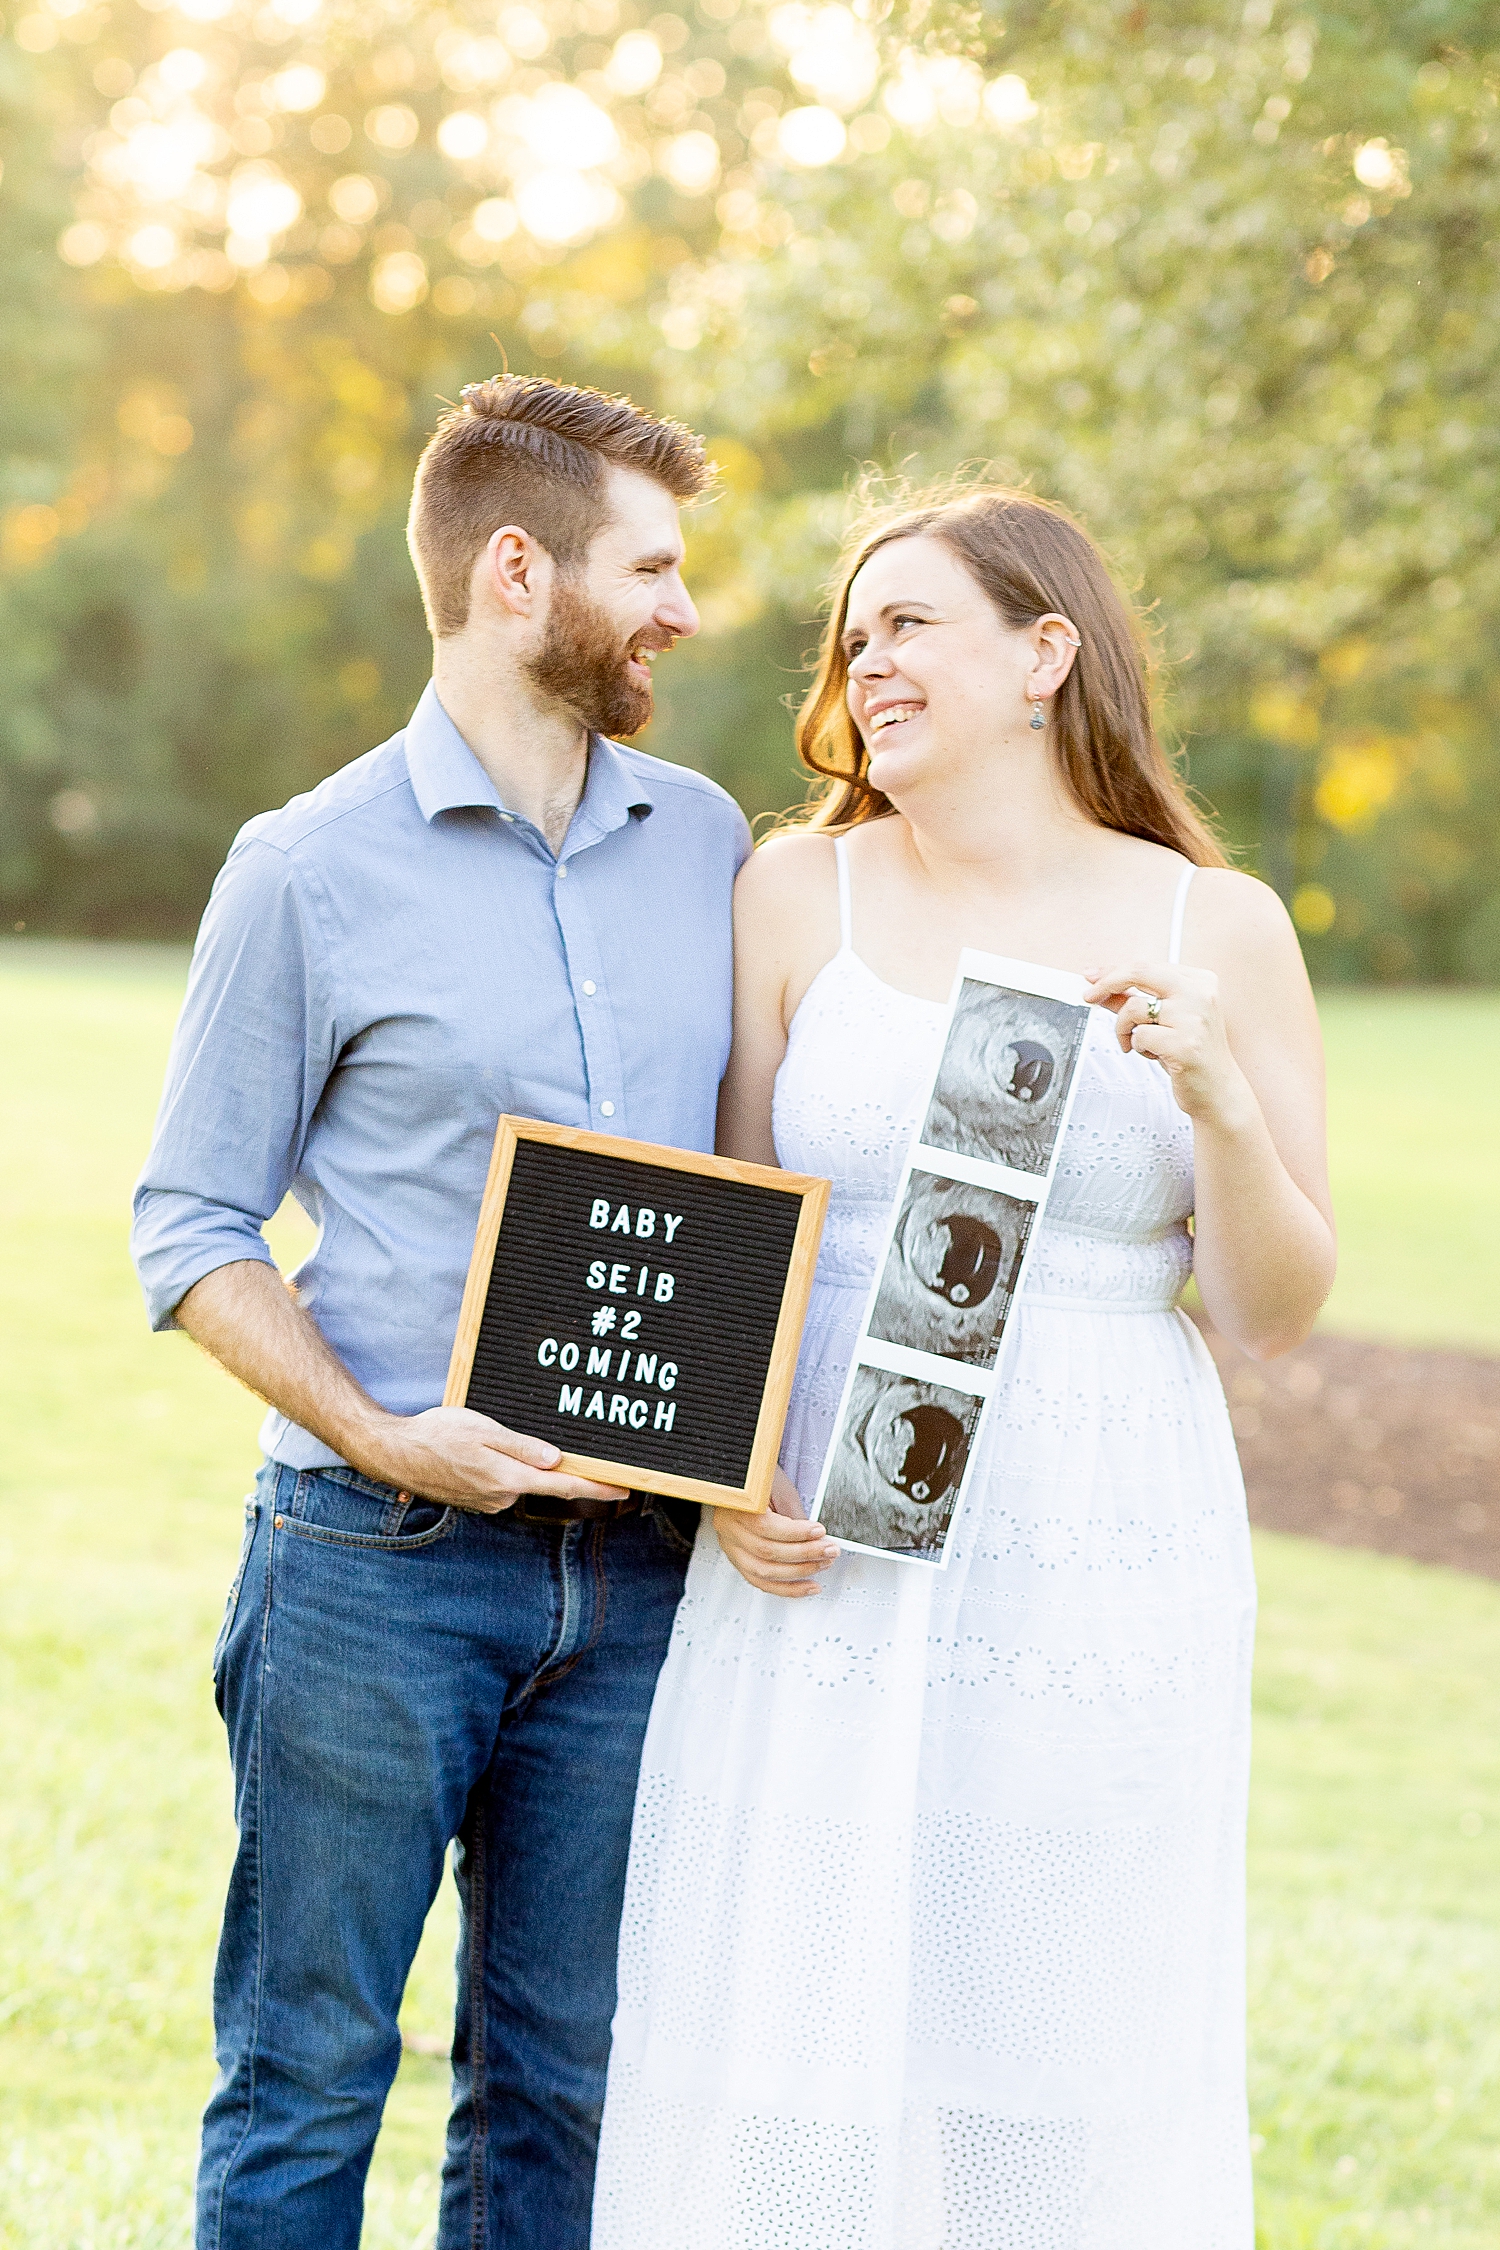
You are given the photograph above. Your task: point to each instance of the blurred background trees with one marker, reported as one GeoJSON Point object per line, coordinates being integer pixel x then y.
{"type": "Point", "coordinates": [1222, 279]}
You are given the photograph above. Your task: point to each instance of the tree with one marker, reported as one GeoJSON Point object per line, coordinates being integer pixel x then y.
{"type": "Point", "coordinates": [1220, 282]}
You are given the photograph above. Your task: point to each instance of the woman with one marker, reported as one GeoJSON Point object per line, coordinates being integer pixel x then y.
{"type": "Point", "coordinates": [933, 1936]}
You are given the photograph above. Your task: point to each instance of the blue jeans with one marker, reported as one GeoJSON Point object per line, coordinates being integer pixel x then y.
{"type": "Point", "coordinates": [394, 1676]}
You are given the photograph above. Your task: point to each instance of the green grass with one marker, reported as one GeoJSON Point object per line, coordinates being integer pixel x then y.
{"type": "Point", "coordinates": [1375, 1863]}
{"type": "Point", "coordinates": [1414, 1099]}
{"type": "Point", "coordinates": [124, 1461]}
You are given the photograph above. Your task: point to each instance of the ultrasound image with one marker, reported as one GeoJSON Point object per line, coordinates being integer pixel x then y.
{"type": "Point", "coordinates": [1002, 1084]}
{"type": "Point", "coordinates": [955, 1254]}
{"type": "Point", "coordinates": [898, 1463]}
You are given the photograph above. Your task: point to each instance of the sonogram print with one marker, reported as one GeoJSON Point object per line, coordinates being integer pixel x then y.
{"type": "Point", "coordinates": [1002, 1084]}
{"type": "Point", "coordinates": [898, 1463]}
{"type": "Point", "coordinates": [954, 1256]}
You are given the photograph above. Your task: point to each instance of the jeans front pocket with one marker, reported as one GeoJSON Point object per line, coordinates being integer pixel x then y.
{"type": "Point", "coordinates": [232, 1599]}
{"type": "Point", "coordinates": [341, 1508]}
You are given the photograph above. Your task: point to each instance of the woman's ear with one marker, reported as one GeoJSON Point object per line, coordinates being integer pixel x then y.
{"type": "Point", "coordinates": [1055, 643]}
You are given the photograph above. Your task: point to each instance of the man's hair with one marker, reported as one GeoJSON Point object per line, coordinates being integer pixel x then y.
{"type": "Point", "coordinates": [519, 450]}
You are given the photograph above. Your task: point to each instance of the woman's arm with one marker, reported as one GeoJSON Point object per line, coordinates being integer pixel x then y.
{"type": "Point", "coordinates": [1240, 1041]}
{"type": "Point", "coordinates": [780, 921]}
{"type": "Point", "coordinates": [785, 929]}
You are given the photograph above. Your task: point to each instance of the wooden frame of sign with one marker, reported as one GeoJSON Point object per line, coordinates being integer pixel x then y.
{"type": "Point", "coordinates": [639, 1306]}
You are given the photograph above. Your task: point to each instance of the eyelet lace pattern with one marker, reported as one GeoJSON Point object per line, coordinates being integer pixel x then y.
{"type": "Point", "coordinates": [933, 1934]}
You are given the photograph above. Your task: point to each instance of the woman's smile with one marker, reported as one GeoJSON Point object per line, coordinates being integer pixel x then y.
{"type": "Point", "coordinates": [879, 716]}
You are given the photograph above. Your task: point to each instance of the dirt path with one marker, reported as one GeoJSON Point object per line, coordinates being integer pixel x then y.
{"type": "Point", "coordinates": [1371, 1445]}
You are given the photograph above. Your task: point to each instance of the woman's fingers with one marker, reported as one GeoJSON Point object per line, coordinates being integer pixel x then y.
{"type": "Point", "coordinates": [777, 1554]}
{"type": "Point", "coordinates": [785, 1562]}
{"type": "Point", "coordinates": [1110, 988]}
{"type": "Point", "coordinates": [1129, 994]}
{"type": "Point", "coordinates": [1158, 1042]}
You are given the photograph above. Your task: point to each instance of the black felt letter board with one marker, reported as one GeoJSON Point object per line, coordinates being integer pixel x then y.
{"type": "Point", "coordinates": [631, 1310]}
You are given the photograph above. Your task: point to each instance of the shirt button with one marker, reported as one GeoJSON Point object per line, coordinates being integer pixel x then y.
{"type": "Point", "coordinates": [606, 1109]}
{"type": "Point", "coordinates": [562, 871]}
{"type": "Point", "coordinates": [507, 816]}
{"type": "Point", "coordinates": [590, 987]}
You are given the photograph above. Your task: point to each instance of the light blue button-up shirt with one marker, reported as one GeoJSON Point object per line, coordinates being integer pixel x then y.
{"type": "Point", "coordinates": [386, 965]}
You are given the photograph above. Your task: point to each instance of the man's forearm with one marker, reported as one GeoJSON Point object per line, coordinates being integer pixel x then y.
{"type": "Point", "coordinates": [246, 1318]}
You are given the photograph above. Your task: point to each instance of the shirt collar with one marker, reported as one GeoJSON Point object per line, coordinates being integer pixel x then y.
{"type": "Point", "coordinates": [446, 775]}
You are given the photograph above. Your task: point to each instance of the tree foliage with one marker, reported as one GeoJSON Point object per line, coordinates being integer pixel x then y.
{"type": "Point", "coordinates": [1222, 280]}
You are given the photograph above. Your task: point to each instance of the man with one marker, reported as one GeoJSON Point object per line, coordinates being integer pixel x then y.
{"type": "Point", "coordinates": [434, 1634]}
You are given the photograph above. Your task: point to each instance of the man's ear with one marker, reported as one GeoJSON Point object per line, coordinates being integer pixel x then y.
{"type": "Point", "coordinates": [515, 570]}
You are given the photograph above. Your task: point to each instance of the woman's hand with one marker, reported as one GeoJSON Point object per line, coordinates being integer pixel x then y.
{"type": "Point", "coordinates": [1186, 1035]}
{"type": "Point", "coordinates": [779, 1552]}
{"type": "Point", "coordinates": [1239, 1040]}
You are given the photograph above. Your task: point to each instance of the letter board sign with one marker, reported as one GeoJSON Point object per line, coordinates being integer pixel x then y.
{"type": "Point", "coordinates": [639, 1306]}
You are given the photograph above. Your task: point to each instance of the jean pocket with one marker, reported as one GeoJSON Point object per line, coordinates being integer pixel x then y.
{"type": "Point", "coordinates": [344, 1510]}
{"type": "Point", "coordinates": [232, 1598]}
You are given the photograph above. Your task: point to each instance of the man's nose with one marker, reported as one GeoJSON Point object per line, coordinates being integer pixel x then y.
{"type": "Point", "coordinates": [678, 612]}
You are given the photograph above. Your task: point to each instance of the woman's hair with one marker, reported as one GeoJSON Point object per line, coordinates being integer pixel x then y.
{"type": "Point", "coordinates": [1030, 558]}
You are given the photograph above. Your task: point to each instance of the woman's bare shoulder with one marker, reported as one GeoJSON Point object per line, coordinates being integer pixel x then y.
{"type": "Point", "coordinates": [787, 871]}
{"type": "Point", "coordinates": [1231, 908]}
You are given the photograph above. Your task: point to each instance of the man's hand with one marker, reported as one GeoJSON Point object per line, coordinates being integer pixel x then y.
{"type": "Point", "coordinates": [779, 1552]}
{"type": "Point", "coordinates": [450, 1453]}
{"type": "Point", "coordinates": [250, 1321]}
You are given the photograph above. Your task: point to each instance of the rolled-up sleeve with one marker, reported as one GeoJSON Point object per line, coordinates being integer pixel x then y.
{"type": "Point", "coordinates": [254, 1046]}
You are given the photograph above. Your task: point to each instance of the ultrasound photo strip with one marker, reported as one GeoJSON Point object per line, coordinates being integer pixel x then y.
{"type": "Point", "coordinates": [963, 1229]}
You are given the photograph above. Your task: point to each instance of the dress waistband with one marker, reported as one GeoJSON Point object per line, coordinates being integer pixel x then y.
{"type": "Point", "coordinates": [1033, 1300]}
{"type": "Point", "coordinates": [1037, 1300]}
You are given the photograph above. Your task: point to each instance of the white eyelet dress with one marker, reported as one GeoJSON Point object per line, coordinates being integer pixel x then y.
{"type": "Point", "coordinates": [933, 1934]}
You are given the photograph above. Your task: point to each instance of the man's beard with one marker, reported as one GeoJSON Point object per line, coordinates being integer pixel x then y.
{"type": "Point", "coordinates": [582, 664]}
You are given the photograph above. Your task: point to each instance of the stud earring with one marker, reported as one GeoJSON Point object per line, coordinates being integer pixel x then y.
{"type": "Point", "coordinates": [1037, 721]}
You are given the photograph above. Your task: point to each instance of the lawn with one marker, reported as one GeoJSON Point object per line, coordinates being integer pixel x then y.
{"type": "Point", "coordinates": [1414, 1095]}
{"type": "Point", "coordinates": [1375, 1863]}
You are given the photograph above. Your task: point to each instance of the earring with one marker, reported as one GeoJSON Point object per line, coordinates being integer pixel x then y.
{"type": "Point", "coordinates": [1037, 721]}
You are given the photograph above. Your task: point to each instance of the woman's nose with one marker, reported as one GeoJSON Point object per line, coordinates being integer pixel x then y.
{"type": "Point", "coordinates": [870, 664]}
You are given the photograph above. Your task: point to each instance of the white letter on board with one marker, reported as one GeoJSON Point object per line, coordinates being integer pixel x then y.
{"type": "Point", "coordinates": [645, 1367]}
{"type": "Point", "coordinates": [664, 1287]}
{"type": "Point", "coordinates": [546, 1351]}
{"type": "Point", "coordinates": [667, 1379]}
{"type": "Point", "coordinates": [598, 1361]}
{"type": "Point", "coordinates": [645, 1223]}
{"type": "Point", "coordinates": [619, 1407]}
{"type": "Point", "coordinates": [666, 1412]}
{"type": "Point", "coordinates": [622, 1220]}
{"type": "Point", "coordinates": [673, 1222]}
{"type": "Point", "coordinates": [568, 1356]}
{"type": "Point", "coordinates": [599, 1215]}
{"type": "Point", "coordinates": [618, 1276]}
{"type": "Point", "coordinates": [639, 1408]}
{"type": "Point", "coordinates": [596, 1273]}
{"type": "Point", "coordinates": [594, 1411]}
{"type": "Point", "coordinates": [569, 1401]}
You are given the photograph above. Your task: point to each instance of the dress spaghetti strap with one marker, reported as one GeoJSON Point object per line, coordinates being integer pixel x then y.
{"type": "Point", "coordinates": [1179, 904]}
{"type": "Point", "coordinates": [846, 920]}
